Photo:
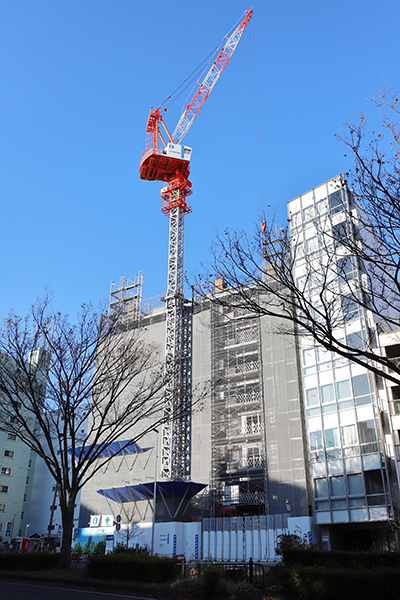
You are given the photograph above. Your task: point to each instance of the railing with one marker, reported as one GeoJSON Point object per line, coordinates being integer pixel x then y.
{"type": "Point", "coordinates": [253, 572]}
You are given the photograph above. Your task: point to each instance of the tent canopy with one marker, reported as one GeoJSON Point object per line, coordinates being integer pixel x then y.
{"type": "Point", "coordinates": [113, 449]}
{"type": "Point", "coordinates": [145, 491]}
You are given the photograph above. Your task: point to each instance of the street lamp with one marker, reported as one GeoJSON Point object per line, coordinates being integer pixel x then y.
{"type": "Point", "coordinates": [26, 529]}
{"type": "Point", "coordinates": [154, 497]}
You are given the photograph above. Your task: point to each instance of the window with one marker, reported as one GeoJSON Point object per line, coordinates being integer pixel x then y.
{"type": "Point", "coordinates": [22, 515]}
{"type": "Point", "coordinates": [356, 485]}
{"type": "Point", "coordinates": [11, 436]}
{"type": "Point", "coordinates": [335, 202]}
{"type": "Point", "coordinates": [321, 488]}
{"type": "Point", "coordinates": [30, 464]}
{"type": "Point", "coordinates": [13, 419]}
{"type": "Point", "coordinates": [312, 397]}
{"type": "Point", "coordinates": [1, 526]}
{"type": "Point", "coordinates": [322, 206]}
{"type": "Point", "coordinates": [316, 446]}
{"type": "Point", "coordinates": [24, 497]}
{"type": "Point", "coordinates": [316, 440]}
{"type": "Point", "coordinates": [374, 488]}
{"type": "Point", "coordinates": [350, 307]}
{"type": "Point", "coordinates": [340, 233]}
{"type": "Point", "coordinates": [27, 480]}
{"type": "Point", "coordinates": [312, 402]}
{"type": "Point", "coordinates": [2, 508]}
{"type": "Point", "coordinates": [5, 471]}
{"type": "Point", "coordinates": [366, 431]}
{"type": "Point", "coordinates": [308, 214]}
{"type": "Point", "coordinates": [327, 393]}
{"type": "Point", "coordinates": [9, 453]}
{"type": "Point", "coordinates": [343, 390]}
{"type": "Point", "coordinates": [3, 489]}
{"type": "Point", "coordinates": [346, 268]}
{"type": "Point", "coordinates": [295, 221]}
{"type": "Point", "coordinates": [361, 389]}
{"type": "Point", "coordinates": [337, 486]}
{"type": "Point", "coordinates": [332, 442]}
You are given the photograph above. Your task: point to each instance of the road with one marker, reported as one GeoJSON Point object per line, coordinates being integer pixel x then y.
{"type": "Point", "coordinates": [22, 591]}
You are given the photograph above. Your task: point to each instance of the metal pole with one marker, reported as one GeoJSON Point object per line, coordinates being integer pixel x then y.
{"type": "Point", "coordinates": [154, 497]}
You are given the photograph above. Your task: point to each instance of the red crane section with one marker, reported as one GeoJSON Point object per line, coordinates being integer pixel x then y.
{"type": "Point", "coordinates": [163, 164]}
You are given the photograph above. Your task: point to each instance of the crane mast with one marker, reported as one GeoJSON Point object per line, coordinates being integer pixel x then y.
{"type": "Point", "coordinates": [171, 165]}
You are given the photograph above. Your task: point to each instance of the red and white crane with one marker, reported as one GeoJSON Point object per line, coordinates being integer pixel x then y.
{"type": "Point", "coordinates": [166, 159]}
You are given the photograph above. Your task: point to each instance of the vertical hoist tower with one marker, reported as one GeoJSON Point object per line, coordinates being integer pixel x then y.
{"type": "Point", "coordinates": [166, 159]}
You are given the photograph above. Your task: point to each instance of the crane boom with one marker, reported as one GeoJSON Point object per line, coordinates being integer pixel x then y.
{"type": "Point", "coordinates": [194, 106]}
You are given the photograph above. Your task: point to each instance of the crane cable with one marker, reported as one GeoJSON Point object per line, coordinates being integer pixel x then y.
{"type": "Point", "coordinates": [199, 70]}
{"type": "Point", "coordinates": [257, 115]}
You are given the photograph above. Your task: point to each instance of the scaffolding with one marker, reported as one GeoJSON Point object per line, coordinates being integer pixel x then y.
{"type": "Point", "coordinates": [125, 301]}
{"type": "Point", "coordinates": [238, 476]}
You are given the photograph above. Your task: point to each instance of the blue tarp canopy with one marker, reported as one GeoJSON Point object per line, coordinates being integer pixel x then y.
{"type": "Point", "coordinates": [114, 449]}
{"type": "Point", "coordinates": [145, 491]}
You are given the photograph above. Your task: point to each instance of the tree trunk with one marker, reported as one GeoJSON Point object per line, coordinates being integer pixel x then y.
{"type": "Point", "coordinates": [66, 544]}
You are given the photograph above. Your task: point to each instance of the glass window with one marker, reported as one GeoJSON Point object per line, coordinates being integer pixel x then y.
{"type": "Point", "coordinates": [322, 505]}
{"type": "Point", "coordinates": [323, 355]}
{"type": "Point", "coordinates": [356, 502]}
{"type": "Point", "coordinates": [5, 471]}
{"type": "Point", "coordinates": [327, 394]}
{"type": "Point", "coordinates": [312, 397]}
{"type": "Point", "coordinates": [322, 206]}
{"type": "Point", "coordinates": [2, 507]}
{"type": "Point", "coordinates": [332, 437]}
{"type": "Point", "coordinates": [339, 504]}
{"type": "Point", "coordinates": [335, 202]}
{"type": "Point", "coordinates": [11, 436]}
{"type": "Point", "coordinates": [361, 385]}
{"type": "Point", "coordinates": [308, 357]}
{"type": "Point", "coordinates": [340, 233]}
{"type": "Point", "coordinates": [346, 268]}
{"type": "Point", "coordinates": [312, 245]}
{"type": "Point", "coordinates": [337, 486]}
{"type": "Point", "coordinates": [316, 440]}
{"type": "Point", "coordinates": [343, 389]}
{"type": "Point", "coordinates": [366, 430]}
{"type": "Point", "coordinates": [355, 483]}
{"type": "Point", "coordinates": [295, 220]}
{"type": "Point", "coordinates": [4, 489]}
{"type": "Point", "coordinates": [308, 214]}
{"type": "Point", "coordinates": [349, 435]}
{"type": "Point", "coordinates": [321, 488]}
{"type": "Point", "coordinates": [350, 307]}
{"type": "Point", "coordinates": [9, 453]}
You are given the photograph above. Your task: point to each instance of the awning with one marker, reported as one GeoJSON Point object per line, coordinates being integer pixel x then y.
{"type": "Point", "coordinates": [145, 491]}
{"type": "Point", "coordinates": [113, 449]}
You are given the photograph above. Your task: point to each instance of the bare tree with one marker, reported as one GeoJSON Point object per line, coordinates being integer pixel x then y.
{"type": "Point", "coordinates": [68, 391]}
{"type": "Point", "coordinates": [348, 267]}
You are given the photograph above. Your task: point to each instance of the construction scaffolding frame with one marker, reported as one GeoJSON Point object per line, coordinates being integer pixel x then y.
{"type": "Point", "coordinates": [238, 473]}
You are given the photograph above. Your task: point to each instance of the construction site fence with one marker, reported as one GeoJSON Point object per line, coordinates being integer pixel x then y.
{"type": "Point", "coordinates": [250, 571]}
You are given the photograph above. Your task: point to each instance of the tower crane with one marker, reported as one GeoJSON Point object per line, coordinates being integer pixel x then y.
{"type": "Point", "coordinates": [166, 159]}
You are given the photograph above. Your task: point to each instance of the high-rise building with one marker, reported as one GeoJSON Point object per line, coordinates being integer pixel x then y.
{"type": "Point", "coordinates": [345, 403]}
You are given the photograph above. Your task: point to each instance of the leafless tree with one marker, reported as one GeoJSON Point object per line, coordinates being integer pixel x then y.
{"type": "Point", "coordinates": [349, 265]}
{"type": "Point", "coordinates": [69, 390]}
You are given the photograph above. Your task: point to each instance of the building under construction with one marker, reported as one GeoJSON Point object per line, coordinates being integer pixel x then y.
{"type": "Point", "coordinates": [245, 439]}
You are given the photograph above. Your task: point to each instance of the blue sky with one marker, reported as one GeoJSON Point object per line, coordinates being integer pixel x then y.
{"type": "Point", "coordinates": [78, 78]}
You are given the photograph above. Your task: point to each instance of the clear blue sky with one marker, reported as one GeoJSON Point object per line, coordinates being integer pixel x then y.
{"type": "Point", "coordinates": [77, 81]}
